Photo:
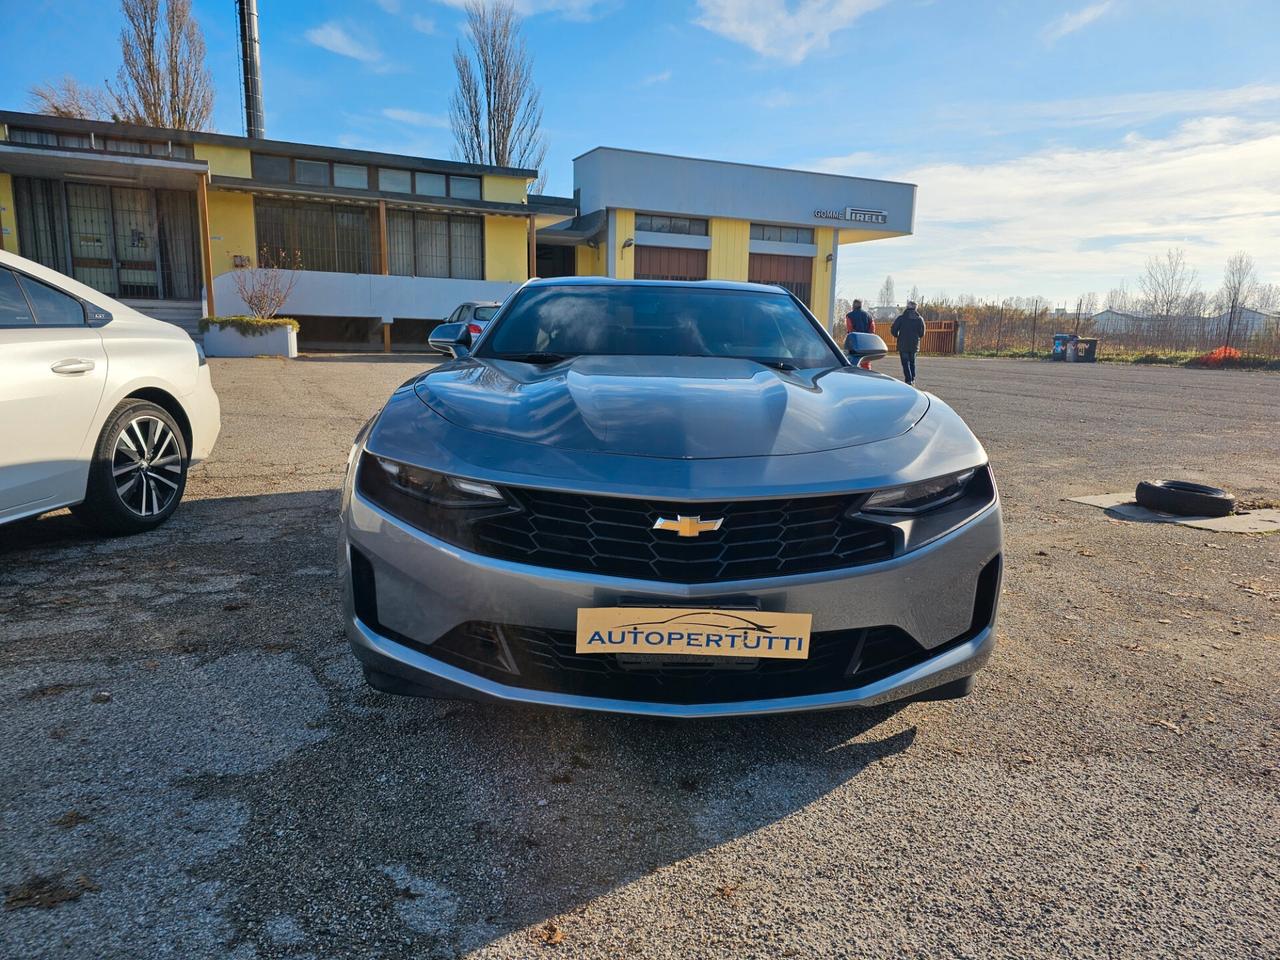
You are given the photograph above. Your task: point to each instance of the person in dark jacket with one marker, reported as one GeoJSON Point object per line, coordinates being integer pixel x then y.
{"type": "Point", "coordinates": [858, 320]}
{"type": "Point", "coordinates": [909, 331]}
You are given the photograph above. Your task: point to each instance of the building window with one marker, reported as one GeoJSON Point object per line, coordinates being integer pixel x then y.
{"type": "Point", "coordinates": [430, 184]}
{"type": "Point", "coordinates": [395, 181]}
{"type": "Point", "coordinates": [270, 169]}
{"type": "Point", "coordinates": [183, 151]}
{"type": "Point", "coordinates": [660, 223]}
{"type": "Point", "coordinates": [314, 173]}
{"type": "Point", "coordinates": [464, 188]}
{"type": "Point", "coordinates": [41, 138]}
{"type": "Point", "coordinates": [76, 140]}
{"type": "Point", "coordinates": [777, 234]}
{"type": "Point", "coordinates": [435, 245]}
{"type": "Point", "coordinates": [350, 175]}
{"type": "Point", "coordinates": [315, 236]}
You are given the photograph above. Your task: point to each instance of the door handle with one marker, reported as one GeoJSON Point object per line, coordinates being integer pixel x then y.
{"type": "Point", "coordinates": [72, 365]}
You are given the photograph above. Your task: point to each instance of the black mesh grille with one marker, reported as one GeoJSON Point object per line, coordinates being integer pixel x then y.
{"type": "Point", "coordinates": [539, 659]}
{"type": "Point", "coordinates": [615, 536]}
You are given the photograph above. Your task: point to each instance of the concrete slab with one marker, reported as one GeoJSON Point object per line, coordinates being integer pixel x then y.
{"type": "Point", "coordinates": [1122, 505]}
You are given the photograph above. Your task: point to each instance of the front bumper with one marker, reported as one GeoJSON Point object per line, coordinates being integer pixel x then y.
{"type": "Point", "coordinates": [425, 588]}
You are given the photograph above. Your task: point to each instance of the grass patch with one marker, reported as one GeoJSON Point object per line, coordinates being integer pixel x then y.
{"type": "Point", "coordinates": [248, 326]}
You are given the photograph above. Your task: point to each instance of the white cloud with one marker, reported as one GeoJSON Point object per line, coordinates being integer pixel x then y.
{"type": "Point", "coordinates": [333, 37]}
{"type": "Point", "coordinates": [390, 6]}
{"type": "Point", "coordinates": [1063, 221]}
{"type": "Point", "coordinates": [1125, 109]}
{"type": "Point", "coordinates": [414, 118]}
{"type": "Point", "coordinates": [778, 100]}
{"type": "Point", "coordinates": [655, 78]}
{"type": "Point", "coordinates": [423, 24]}
{"type": "Point", "coordinates": [1074, 20]}
{"type": "Point", "coordinates": [780, 29]}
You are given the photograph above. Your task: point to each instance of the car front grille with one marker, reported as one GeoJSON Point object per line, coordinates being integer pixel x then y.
{"type": "Point", "coordinates": [540, 659]}
{"type": "Point", "coordinates": [616, 536]}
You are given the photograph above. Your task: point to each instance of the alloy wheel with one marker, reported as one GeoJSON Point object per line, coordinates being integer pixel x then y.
{"type": "Point", "coordinates": [146, 466]}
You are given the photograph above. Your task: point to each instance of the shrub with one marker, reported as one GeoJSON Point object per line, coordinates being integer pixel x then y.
{"type": "Point", "coordinates": [248, 326]}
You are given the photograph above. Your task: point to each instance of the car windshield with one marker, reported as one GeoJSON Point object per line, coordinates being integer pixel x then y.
{"type": "Point", "coordinates": [485, 313]}
{"type": "Point", "coordinates": [553, 322]}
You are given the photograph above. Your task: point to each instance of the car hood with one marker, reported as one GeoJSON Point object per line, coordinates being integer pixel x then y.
{"type": "Point", "coordinates": [688, 408]}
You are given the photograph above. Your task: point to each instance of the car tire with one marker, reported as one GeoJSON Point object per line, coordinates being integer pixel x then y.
{"type": "Point", "coordinates": [138, 472]}
{"type": "Point", "coordinates": [1184, 498]}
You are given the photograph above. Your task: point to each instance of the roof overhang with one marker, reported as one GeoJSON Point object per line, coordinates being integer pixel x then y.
{"type": "Point", "coordinates": [121, 169]}
{"type": "Point", "coordinates": [570, 233]}
{"type": "Point", "coordinates": [369, 198]}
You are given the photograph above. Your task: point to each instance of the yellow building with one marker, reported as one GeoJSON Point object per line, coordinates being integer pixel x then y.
{"type": "Point", "coordinates": [383, 246]}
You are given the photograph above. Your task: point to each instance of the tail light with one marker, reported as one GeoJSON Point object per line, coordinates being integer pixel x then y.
{"type": "Point", "coordinates": [474, 329]}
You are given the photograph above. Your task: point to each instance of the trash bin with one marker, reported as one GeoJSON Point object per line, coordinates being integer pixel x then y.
{"type": "Point", "coordinates": [1087, 350]}
{"type": "Point", "coordinates": [1060, 341]}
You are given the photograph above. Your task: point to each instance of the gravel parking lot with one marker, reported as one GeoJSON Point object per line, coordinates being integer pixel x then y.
{"type": "Point", "coordinates": [194, 768]}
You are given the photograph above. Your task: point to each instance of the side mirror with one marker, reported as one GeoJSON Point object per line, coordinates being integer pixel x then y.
{"type": "Point", "coordinates": [864, 346]}
{"type": "Point", "coordinates": [451, 338]}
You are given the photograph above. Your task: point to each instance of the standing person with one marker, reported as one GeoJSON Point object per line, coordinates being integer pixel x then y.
{"type": "Point", "coordinates": [858, 320]}
{"type": "Point", "coordinates": [909, 331]}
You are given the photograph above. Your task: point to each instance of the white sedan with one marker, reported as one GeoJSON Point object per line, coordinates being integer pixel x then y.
{"type": "Point", "coordinates": [102, 409]}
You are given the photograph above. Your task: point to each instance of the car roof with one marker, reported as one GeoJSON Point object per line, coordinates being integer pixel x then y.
{"type": "Point", "coordinates": [695, 284]}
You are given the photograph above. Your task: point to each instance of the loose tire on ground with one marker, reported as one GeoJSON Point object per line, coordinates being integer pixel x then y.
{"type": "Point", "coordinates": [1184, 498]}
{"type": "Point", "coordinates": [104, 508]}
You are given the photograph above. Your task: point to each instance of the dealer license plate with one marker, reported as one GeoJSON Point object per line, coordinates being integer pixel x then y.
{"type": "Point", "coordinates": [697, 631]}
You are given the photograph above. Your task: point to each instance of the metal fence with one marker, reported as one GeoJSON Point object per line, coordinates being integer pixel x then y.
{"type": "Point", "coordinates": [1003, 331]}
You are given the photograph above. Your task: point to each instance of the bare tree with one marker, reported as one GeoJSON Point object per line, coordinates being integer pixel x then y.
{"type": "Point", "coordinates": [163, 81]}
{"type": "Point", "coordinates": [496, 109]}
{"type": "Point", "coordinates": [887, 298]}
{"type": "Point", "coordinates": [1169, 287]}
{"type": "Point", "coordinates": [1119, 299]}
{"type": "Point", "coordinates": [265, 288]}
{"type": "Point", "coordinates": [915, 294]}
{"type": "Point", "coordinates": [1239, 289]}
{"type": "Point", "coordinates": [70, 98]}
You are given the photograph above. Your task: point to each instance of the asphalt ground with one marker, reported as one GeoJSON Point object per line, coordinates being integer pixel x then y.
{"type": "Point", "coordinates": [192, 766]}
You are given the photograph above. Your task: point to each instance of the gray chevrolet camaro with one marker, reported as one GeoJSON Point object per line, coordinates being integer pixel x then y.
{"type": "Point", "coordinates": [664, 498]}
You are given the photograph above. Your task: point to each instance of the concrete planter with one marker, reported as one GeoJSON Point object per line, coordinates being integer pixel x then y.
{"type": "Point", "coordinates": [227, 341]}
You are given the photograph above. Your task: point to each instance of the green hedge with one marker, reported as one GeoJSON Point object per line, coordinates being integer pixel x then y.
{"type": "Point", "coordinates": [248, 326]}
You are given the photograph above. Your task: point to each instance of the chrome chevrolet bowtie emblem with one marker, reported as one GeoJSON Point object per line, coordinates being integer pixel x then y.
{"type": "Point", "coordinates": [688, 526]}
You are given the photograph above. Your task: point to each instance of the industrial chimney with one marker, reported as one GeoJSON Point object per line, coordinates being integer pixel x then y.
{"type": "Point", "coordinates": [251, 68]}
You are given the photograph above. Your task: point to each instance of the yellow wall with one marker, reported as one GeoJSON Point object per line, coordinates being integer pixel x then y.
{"type": "Point", "coordinates": [624, 260]}
{"type": "Point", "coordinates": [506, 249]}
{"type": "Point", "coordinates": [821, 296]}
{"type": "Point", "coordinates": [729, 255]}
{"type": "Point", "coordinates": [225, 161]}
{"type": "Point", "coordinates": [231, 229]}
{"type": "Point", "coordinates": [590, 261]}
{"type": "Point", "coordinates": [8, 215]}
{"type": "Point", "coordinates": [505, 189]}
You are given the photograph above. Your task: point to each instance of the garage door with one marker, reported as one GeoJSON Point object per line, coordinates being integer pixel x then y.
{"type": "Point", "coordinates": [670, 263]}
{"type": "Point", "coordinates": [791, 273]}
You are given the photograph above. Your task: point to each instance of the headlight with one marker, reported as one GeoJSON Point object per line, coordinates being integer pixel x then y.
{"type": "Point", "coordinates": [435, 503]}
{"type": "Point", "coordinates": [919, 497]}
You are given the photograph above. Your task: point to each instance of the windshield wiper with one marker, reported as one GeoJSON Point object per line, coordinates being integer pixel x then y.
{"type": "Point", "coordinates": [539, 358]}
{"type": "Point", "coordinates": [779, 365]}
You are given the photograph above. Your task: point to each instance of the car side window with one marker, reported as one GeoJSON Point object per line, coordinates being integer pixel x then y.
{"type": "Point", "coordinates": [53, 307]}
{"type": "Point", "coordinates": [14, 310]}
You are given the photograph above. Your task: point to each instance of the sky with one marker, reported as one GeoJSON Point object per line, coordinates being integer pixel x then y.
{"type": "Point", "coordinates": [1056, 145]}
